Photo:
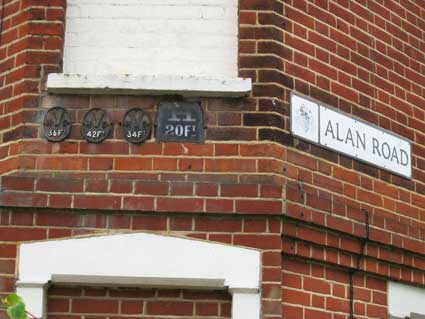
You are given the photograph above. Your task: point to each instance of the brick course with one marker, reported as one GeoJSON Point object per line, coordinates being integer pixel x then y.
{"type": "Point", "coordinates": [80, 302]}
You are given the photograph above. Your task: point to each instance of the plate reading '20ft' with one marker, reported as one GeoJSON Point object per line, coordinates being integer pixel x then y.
{"type": "Point", "coordinates": [96, 126]}
{"type": "Point", "coordinates": [136, 126]}
{"type": "Point", "coordinates": [180, 122]}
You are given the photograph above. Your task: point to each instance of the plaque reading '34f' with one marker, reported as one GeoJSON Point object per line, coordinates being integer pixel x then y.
{"type": "Point", "coordinates": [180, 121]}
{"type": "Point", "coordinates": [95, 126]}
{"type": "Point", "coordinates": [57, 124]}
{"type": "Point", "coordinates": [136, 126]}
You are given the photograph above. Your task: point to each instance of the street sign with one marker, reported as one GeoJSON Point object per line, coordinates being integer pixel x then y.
{"type": "Point", "coordinates": [332, 129]}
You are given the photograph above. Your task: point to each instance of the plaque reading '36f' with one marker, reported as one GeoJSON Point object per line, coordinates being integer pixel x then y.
{"type": "Point", "coordinates": [136, 126]}
{"type": "Point", "coordinates": [57, 124]}
{"type": "Point", "coordinates": [180, 121]}
{"type": "Point", "coordinates": [95, 126]}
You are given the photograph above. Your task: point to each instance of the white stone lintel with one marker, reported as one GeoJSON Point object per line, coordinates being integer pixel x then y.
{"type": "Point", "coordinates": [128, 84]}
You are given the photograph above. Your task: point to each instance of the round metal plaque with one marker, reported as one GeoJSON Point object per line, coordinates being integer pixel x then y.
{"type": "Point", "coordinates": [95, 126]}
{"type": "Point", "coordinates": [57, 124]}
{"type": "Point", "coordinates": [136, 126]}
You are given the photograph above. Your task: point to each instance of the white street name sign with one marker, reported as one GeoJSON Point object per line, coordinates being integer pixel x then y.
{"type": "Point", "coordinates": [337, 131]}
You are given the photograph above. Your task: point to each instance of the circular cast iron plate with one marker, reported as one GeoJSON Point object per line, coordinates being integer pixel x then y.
{"type": "Point", "coordinates": [136, 126]}
{"type": "Point", "coordinates": [95, 126]}
{"type": "Point", "coordinates": [57, 124]}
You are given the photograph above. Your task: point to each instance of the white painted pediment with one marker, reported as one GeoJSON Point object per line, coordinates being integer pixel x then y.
{"type": "Point", "coordinates": [142, 260]}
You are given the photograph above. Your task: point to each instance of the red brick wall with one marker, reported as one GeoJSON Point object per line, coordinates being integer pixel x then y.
{"type": "Point", "coordinates": [215, 176]}
{"type": "Point", "coordinates": [30, 47]}
{"type": "Point", "coordinates": [292, 198]}
{"type": "Point", "coordinates": [76, 302]}
{"type": "Point", "coordinates": [319, 291]}
{"type": "Point", "coordinates": [317, 48]}
{"type": "Point", "coordinates": [23, 225]}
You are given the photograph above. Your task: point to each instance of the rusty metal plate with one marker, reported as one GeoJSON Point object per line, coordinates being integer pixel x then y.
{"type": "Point", "coordinates": [95, 126]}
{"type": "Point", "coordinates": [136, 126]}
{"type": "Point", "coordinates": [57, 124]}
{"type": "Point", "coordinates": [180, 122]}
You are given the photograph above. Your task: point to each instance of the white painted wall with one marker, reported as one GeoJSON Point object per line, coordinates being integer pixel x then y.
{"type": "Point", "coordinates": [405, 299]}
{"type": "Point", "coordinates": [161, 37]}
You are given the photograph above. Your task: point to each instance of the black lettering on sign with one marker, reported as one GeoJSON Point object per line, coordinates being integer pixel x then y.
{"type": "Point", "coordinates": [95, 126]}
{"type": "Point", "coordinates": [57, 124]}
{"type": "Point", "coordinates": [180, 122]}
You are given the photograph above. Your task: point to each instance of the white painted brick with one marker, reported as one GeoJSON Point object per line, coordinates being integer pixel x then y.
{"type": "Point", "coordinates": [212, 12]}
{"type": "Point", "coordinates": [150, 12]}
{"type": "Point", "coordinates": [218, 3]}
{"type": "Point", "coordinates": [180, 37]}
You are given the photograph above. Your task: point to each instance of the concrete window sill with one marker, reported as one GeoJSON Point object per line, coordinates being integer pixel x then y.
{"type": "Point", "coordinates": [188, 86]}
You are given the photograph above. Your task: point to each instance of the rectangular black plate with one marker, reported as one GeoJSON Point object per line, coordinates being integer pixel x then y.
{"type": "Point", "coordinates": [180, 122]}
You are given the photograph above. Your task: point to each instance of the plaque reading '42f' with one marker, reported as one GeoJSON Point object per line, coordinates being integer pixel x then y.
{"type": "Point", "coordinates": [95, 126]}
{"type": "Point", "coordinates": [180, 121]}
{"type": "Point", "coordinates": [136, 126]}
{"type": "Point", "coordinates": [57, 124]}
